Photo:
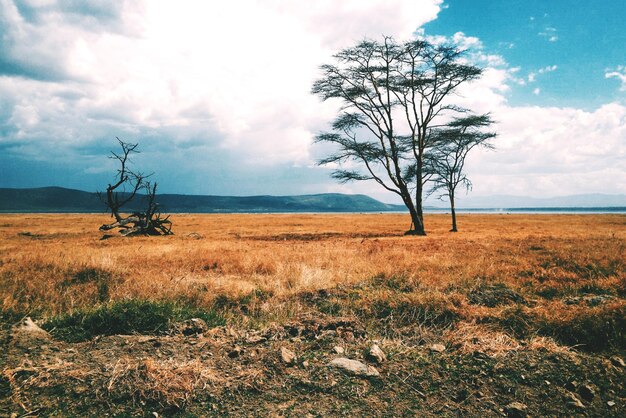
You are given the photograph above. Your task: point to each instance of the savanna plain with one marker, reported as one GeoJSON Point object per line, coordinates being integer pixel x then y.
{"type": "Point", "coordinates": [246, 315]}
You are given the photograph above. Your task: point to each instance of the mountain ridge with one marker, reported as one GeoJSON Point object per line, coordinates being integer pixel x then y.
{"type": "Point", "coordinates": [60, 199]}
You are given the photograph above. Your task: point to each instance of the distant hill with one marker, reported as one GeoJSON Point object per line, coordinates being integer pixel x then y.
{"type": "Point", "coordinates": [58, 199]}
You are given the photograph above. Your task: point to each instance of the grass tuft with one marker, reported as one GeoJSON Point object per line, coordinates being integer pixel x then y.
{"type": "Point", "coordinates": [125, 317]}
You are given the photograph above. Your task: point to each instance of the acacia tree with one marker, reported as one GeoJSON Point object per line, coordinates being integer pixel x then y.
{"type": "Point", "coordinates": [392, 95]}
{"type": "Point", "coordinates": [124, 190]}
{"type": "Point", "coordinates": [445, 161]}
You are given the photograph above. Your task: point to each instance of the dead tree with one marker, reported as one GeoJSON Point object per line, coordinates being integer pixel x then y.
{"type": "Point", "coordinates": [128, 187]}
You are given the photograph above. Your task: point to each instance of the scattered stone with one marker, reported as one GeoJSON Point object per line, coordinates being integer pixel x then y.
{"type": "Point", "coordinates": [193, 326]}
{"type": "Point", "coordinates": [354, 367]}
{"type": "Point", "coordinates": [339, 350]}
{"type": "Point", "coordinates": [439, 348]}
{"type": "Point", "coordinates": [618, 361]}
{"type": "Point", "coordinates": [611, 404]}
{"type": "Point", "coordinates": [305, 364]}
{"type": "Point", "coordinates": [235, 352]}
{"type": "Point", "coordinates": [515, 410]}
{"type": "Point", "coordinates": [287, 356]}
{"type": "Point", "coordinates": [29, 327]}
{"type": "Point", "coordinates": [586, 392]}
{"type": "Point", "coordinates": [375, 354]}
{"type": "Point", "coordinates": [195, 235]}
{"type": "Point", "coordinates": [573, 401]}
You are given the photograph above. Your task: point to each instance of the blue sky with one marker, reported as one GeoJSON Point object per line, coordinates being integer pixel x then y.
{"type": "Point", "coordinates": [583, 39]}
{"type": "Point", "coordinates": [218, 93]}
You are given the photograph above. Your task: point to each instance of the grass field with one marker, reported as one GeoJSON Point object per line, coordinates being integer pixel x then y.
{"type": "Point", "coordinates": [520, 290]}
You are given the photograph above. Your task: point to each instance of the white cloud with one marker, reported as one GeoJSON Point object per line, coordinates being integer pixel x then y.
{"type": "Point", "coordinates": [218, 90]}
{"type": "Point", "coordinates": [547, 69]}
{"type": "Point", "coordinates": [620, 73]}
{"type": "Point", "coordinates": [236, 73]}
{"type": "Point", "coordinates": [550, 34]}
{"type": "Point", "coordinates": [536, 91]}
{"type": "Point", "coordinates": [554, 151]}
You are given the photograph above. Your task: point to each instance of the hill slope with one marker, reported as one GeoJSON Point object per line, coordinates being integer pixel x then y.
{"type": "Point", "coordinates": [58, 199]}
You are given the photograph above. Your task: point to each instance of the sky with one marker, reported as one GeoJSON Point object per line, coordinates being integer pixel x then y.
{"type": "Point", "coordinates": [218, 93]}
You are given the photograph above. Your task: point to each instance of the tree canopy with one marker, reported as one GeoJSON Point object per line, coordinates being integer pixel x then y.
{"type": "Point", "coordinates": [393, 95]}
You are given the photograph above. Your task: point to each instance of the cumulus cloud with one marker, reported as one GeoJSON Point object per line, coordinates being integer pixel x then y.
{"type": "Point", "coordinates": [554, 151]}
{"type": "Point", "coordinates": [228, 77]}
{"type": "Point", "coordinates": [217, 93]}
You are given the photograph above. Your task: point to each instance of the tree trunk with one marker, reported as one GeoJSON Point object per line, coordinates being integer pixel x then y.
{"type": "Point", "coordinates": [453, 212]}
{"type": "Point", "coordinates": [417, 211]}
{"type": "Point", "coordinates": [417, 222]}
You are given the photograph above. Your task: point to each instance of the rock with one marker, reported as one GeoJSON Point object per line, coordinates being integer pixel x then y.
{"type": "Point", "coordinates": [571, 386]}
{"type": "Point", "coordinates": [375, 354]}
{"type": "Point", "coordinates": [354, 367]}
{"type": "Point", "coordinates": [586, 392]}
{"type": "Point", "coordinates": [618, 361]}
{"type": "Point", "coordinates": [27, 326]}
{"type": "Point", "coordinates": [439, 348]}
{"type": "Point", "coordinates": [27, 335]}
{"type": "Point", "coordinates": [305, 364]}
{"type": "Point", "coordinates": [611, 404]}
{"type": "Point", "coordinates": [193, 326]}
{"type": "Point", "coordinates": [573, 401]}
{"type": "Point", "coordinates": [515, 410]}
{"type": "Point", "coordinates": [287, 356]}
{"type": "Point", "coordinates": [339, 350]}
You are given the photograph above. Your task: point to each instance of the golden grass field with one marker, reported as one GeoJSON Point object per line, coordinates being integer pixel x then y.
{"type": "Point", "coordinates": [233, 255]}
{"type": "Point", "coordinates": [503, 284]}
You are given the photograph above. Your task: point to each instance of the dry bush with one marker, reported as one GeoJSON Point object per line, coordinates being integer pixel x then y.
{"type": "Point", "coordinates": [166, 383]}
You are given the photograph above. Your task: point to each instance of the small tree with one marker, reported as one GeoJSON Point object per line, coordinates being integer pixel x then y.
{"type": "Point", "coordinates": [128, 184]}
{"type": "Point", "coordinates": [446, 159]}
{"type": "Point", "coordinates": [392, 95]}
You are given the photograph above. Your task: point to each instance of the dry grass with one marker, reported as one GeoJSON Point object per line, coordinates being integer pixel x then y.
{"type": "Point", "coordinates": [52, 264]}
{"type": "Point", "coordinates": [541, 298]}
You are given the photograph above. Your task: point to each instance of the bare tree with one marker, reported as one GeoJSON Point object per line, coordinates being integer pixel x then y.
{"type": "Point", "coordinates": [392, 95]}
{"type": "Point", "coordinates": [445, 161]}
{"type": "Point", "coordinates": [127, 187]}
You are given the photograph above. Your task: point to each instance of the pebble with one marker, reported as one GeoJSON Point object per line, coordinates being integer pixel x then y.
{"type": "Point", "coordinates": [515, 410]}
{"type": "Point", "coordinates": [354, 367]}
{"type": "Point", "coordinates": [287, 356]}
{"type": "Point", "coordinates": [572, 400]}
{"type": "Point", "coordinates": [375, 354]}
{"type": "Point", "coordinates": [439, 348]}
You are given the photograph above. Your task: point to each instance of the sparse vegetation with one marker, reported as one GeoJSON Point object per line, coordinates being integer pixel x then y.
{"type": "Point", "coordinates": [125, 317]}
{"type": "Point", "coordinates": [514, 302]}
